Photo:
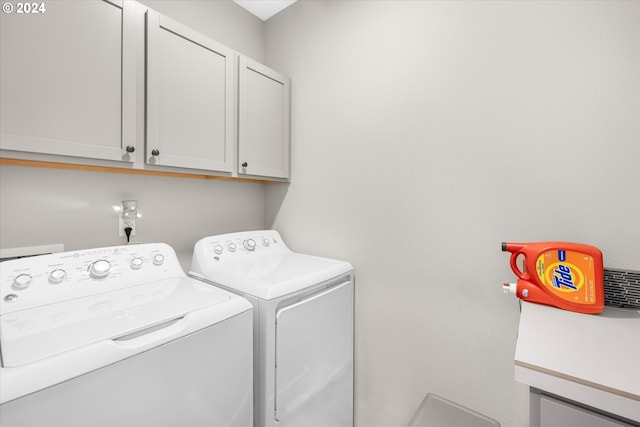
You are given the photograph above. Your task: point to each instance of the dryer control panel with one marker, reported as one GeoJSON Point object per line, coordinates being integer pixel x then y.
{"type": "Point", "coordinates": [48, 279]}
{"type": "Point", "coordinates": [242, 246]}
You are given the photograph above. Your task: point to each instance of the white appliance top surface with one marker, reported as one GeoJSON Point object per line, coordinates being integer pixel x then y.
{"type": "Point", "coordinates": [258, 263]}
{"type": "Point", "coordinates": [53, 304]}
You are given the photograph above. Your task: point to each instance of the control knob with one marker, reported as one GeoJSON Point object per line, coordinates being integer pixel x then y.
{"type": "Point", "coordinates": [57, 275]}
{"type": "Point", "coordinates": [218, 249]}
{"type": "Point", "coordinates": [100, 269]}
{"type": "Point", "coordinates": [231, 247]}
{"type": "Point", "coordinates": [10, 298]}
{"type": "Point", "coordinates": [158, 259]}
{"type": "Point", "coordinates": [22, 281]}
{"type": "Point", "coordinates": [265, 242]}
{"type": "Point", "coordinates": [136, 263]}
{"type": "Point", "coordinates": [249, 244]}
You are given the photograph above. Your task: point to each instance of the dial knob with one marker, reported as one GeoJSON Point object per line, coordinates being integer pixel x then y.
{"type": "Point", "coordinates": [136, 263]}
{"type": "Point", "coordinates": [22, 281]}
{"type": "Point", "coordinates": [231, 247]}
{"type": "Point", "coordinates": [10, 298]}
{"type": "Point", "coordinates": [158, 259]}
{"type": "Point", "coordinates": [100, 269]}
{"type": "Point", "coordinates": [57, 275]}
{"type": "Point", "coordinates": [218, 249]}
{"type": "Point", "coordinates": [265, 242]}
{"type": "Point", "coordinates": [249, 244]}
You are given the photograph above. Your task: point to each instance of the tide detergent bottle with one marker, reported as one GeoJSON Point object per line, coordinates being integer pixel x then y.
{"type": "Point", "coordinates": [564, 275]}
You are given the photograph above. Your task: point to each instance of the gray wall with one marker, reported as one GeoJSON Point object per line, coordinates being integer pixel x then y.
{"type": "Point", "coordinates": [424, 134]}
{"type": "Point", "coordinates": [43, 206]}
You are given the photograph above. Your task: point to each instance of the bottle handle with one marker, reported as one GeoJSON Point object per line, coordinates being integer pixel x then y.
{"type": "Point", "coordinates": [514, 266]}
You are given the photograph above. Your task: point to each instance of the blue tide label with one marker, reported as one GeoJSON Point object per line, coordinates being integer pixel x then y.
{"type": "Point", "coordinates": [562, 255]}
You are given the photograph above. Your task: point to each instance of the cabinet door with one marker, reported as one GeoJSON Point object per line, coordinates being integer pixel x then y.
{"type": "Point", "coordinates": [557, 413]}
{"type": "Point", "coordinates": [67, 79]}
{"type": "Point", "coordinates": [263, 121]}
{"type": "Point", "coordinates": [189, 98]}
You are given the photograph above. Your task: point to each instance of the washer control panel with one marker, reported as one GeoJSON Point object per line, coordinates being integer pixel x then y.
{"type": "Point", "coordinates": [48, 279]}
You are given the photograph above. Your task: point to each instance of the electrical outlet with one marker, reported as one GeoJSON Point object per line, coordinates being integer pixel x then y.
{"type": "Point", "coordinates": [122, 223]}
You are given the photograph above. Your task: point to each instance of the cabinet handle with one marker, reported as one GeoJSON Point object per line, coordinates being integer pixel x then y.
{"type": "Point", "coordinates": [245, 164]}
{"type": "Point", "coordinates": [155, 152]}
{"type": "Point", "coordinates": [130, 148]}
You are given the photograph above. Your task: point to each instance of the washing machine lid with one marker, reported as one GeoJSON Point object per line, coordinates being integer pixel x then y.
{"type": "Point", "coordinates": [258, 263]}
{"type": "Point", "coordinates": [274, 276]}
{"type": "Point", "coordinates": [118, 319]}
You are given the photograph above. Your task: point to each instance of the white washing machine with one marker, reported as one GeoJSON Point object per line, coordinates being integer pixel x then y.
{"type": "Point", "coordinates": [120, 336]}
{"type": "Point", "coordinates": [303, 330]}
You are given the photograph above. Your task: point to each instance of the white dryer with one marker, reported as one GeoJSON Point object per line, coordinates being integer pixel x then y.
{"type": "Point", "coordinates": [120, 336]}
{"type": "Point", "coordinates": [303, 330]}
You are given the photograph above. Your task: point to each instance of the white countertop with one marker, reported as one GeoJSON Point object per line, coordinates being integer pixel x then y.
{"type": "Point", "coordinates": [592, 359]}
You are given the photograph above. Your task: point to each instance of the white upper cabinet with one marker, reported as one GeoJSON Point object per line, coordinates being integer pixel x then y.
{"type": "Point", "coordinates": [111, 79]}
{"type": "Point", "coordinates": [68, 80]}
{"type": "Point", "coordinates": [190, 99]}
{"type": "Point", "coordinates": [263, 121]}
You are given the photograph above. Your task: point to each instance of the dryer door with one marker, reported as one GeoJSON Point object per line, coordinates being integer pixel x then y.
{"type": "Point", "coordinates": [314, 346]}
